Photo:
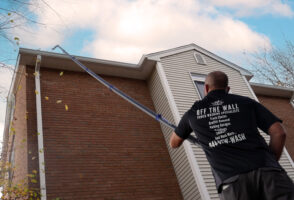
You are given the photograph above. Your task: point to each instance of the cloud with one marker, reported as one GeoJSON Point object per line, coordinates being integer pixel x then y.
{"type": "Point", "coordinates": [124, 30]}
{"type": "Point", "coordinates": [255, 7]}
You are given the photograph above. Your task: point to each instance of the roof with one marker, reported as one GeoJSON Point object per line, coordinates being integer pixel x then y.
{"type": "Point", "coordinates": [99, 66]}
{"type": "Point", "coordinates": [270, 90]}
{"type": "Point", "coordinates": [141, 70]}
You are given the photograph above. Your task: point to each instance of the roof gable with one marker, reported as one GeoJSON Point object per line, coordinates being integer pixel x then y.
{"type": "Point", "coordinates": [157, 55]}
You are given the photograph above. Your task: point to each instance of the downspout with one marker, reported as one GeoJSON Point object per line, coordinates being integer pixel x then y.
{"type": "Point", "coordinates": [40, 130]}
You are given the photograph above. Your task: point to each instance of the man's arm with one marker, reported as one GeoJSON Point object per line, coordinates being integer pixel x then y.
{"type": "Point", "coordinates": [277, 138]}
{"type": "Point", "coordinates": [175, 141]}
{"type": "Point", "coordinates": [181, 133]}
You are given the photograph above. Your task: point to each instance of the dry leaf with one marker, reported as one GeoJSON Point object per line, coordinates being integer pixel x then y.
{"type": "Point", "coordinates": [36, 92]}
{"type": "Point", "coordinates": [66, 107]}
{"type": "Point", "coordinates": [59, 101]}
{"type": "Point", "coordinates": [46, 98]}
{"type": "Point", "coordinates": [33, 158]}
{"type": "Point", "coordinates": [61, 73]}
{"type": "Point", "coordinates": [33, 180]}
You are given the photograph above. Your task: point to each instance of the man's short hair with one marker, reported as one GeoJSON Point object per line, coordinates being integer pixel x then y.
{"type": "Point", "coordinates": [217, 80]}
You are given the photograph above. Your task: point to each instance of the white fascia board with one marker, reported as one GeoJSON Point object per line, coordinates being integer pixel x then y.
{"type": "Point", "coordinates": [271, 86]}
{"type": "Point", "coordinates": [157, 56]}
{"type": "Point", "coordinates": [187, 145]}
{"type": "Point", "coordinates": [80, 58]}
{"type": "Point", "coordinates": [256, 99]}
{"type": "Point", "coordinates": [271, 90]}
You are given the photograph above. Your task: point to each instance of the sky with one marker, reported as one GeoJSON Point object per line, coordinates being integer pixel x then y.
{"type": "Point", "coordinates": [124, 30]}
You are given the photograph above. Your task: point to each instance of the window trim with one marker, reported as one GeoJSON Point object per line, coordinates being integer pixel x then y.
{"type": "Point", "coordinates": [197, 77]}
{"type": "Point", "coordinates": [292, 100]}
{"type": "Point", "coordinates": [12, 159]}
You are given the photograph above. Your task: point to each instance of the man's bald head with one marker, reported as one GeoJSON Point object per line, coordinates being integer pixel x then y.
{"type": "Point", "coordinates": [216, 80]}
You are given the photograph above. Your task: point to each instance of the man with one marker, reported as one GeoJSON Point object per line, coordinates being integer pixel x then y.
{"type": "Point", "coordinates": [226, 125]}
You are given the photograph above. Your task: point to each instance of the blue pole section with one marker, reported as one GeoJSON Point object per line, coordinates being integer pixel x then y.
{"type": "Point", "coordinates": [143, 108]}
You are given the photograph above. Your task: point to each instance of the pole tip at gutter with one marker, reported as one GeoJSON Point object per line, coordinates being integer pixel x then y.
{"type": "Point", "coordinates": [55, 47]}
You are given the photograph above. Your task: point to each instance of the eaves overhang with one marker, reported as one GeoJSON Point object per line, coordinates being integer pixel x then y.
{"type": "Point", "coordinates": [60, 61]}
{"type": "Point", "coordinates": [270, 90]}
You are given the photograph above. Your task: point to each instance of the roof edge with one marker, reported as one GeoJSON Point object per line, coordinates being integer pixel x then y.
{"type": "Point", "coordinates": [160, 54]}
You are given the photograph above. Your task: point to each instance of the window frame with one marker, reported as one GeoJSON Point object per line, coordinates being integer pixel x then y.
{"type": "Point", "coordinates": [292, 100]}
{"type": "Point", "coordinates": [197, 77]}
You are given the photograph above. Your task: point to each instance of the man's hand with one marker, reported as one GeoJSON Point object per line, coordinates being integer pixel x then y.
{"type": "Point", "coordinates": [277, 139]}
{"type": "Point", "coordinates": [175, 141]}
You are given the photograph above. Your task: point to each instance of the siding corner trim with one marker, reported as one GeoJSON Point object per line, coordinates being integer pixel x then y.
{"type": "Point", "coordinates": [187, 145]}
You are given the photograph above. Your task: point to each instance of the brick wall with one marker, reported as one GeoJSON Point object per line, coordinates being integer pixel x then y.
{"type": "Point", "coordinates": [102, 147]}
{"type": "Point", "coordinates": [284, 110]}
{"type": "Point", "coordinates": [17, 140]}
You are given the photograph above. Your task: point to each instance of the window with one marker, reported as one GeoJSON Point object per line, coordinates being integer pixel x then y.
{"type": "Point", "coordinates": [199, 80]}
{"type": "Point", "coordinates": [12, 159]}
{"type": "Point", "coordinates": [199, 59]}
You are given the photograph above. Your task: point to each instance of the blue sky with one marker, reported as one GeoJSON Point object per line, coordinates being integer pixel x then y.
{"type": "Point", "coordinates": [123, 30]}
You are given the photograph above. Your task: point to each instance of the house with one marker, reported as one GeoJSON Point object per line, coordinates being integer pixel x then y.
{"type": "Point", "coordinates": [280, 101]}
{"type": "Point", "coordinates": [85, 142]}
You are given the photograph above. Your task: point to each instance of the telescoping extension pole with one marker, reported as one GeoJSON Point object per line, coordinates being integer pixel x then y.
{"type": "Point", "coordinates": [143, 108]}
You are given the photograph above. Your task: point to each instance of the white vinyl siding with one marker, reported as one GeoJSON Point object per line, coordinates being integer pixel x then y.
{"type": "Point", "coordinates": [179, 158]}
{"type": "Point", "coordinates": [178, 68]}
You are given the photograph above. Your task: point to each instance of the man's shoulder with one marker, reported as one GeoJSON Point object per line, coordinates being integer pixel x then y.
{"type": "Point", "coordinates": [240, 97]}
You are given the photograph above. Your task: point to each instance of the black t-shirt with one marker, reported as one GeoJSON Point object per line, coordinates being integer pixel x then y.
{"type": "Point", "coordinates": [226, 127]}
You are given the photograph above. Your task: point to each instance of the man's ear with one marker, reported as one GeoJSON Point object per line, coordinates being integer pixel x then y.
{"type": "Point", "coordinates": [228, 89]}
{"type": "Point", "coordinates": [206, 89]}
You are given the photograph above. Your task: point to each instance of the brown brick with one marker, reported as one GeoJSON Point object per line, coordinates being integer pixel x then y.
{"type": "Point", "coordinates": [102, 147]}
{"type": "Point", "coordinates": [285, 111]}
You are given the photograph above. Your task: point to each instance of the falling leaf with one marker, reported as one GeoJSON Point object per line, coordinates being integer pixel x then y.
{"type": "Point", "coordinates": [33, 158]}
{"type": "Point", "coordinates": [11, 21]}
{"type": "Point", "coordinates": [46, 98]}
{"type": "Point", "coordinates": [41, 150]}
{"type": "Point", "coordinates": [38, 133]}
{"type": "Point", "coordinates": [34, 171]}
{"type": "Point", "coordinates": [59, 101]}
{"type": "Point", "coordinates": [66, 107]}
{"type": "Point", "coordinates": [19, 87]}
{"type": "Point", "coordinates": [35, 73]}
{"type": "Point", "coordinates": [30, 152]}
{"type": "Point", "coordinates": [31, 175]}
{"type": "Point", "coordinates": [43, 163]}
{"type": "Point", "coordinates": [8, 14]}
{"type": "Point", "coordinates": [33, 180]}
{"type": "Point", "coordinates": [36, 92]}
{"type": "Point", "coordinates": [16, 38]}
{"type": "Point", "coordinates": [61, 73]}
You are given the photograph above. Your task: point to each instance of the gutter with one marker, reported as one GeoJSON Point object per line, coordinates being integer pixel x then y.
{"type": "Point", "coordinates": [40, 130]}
